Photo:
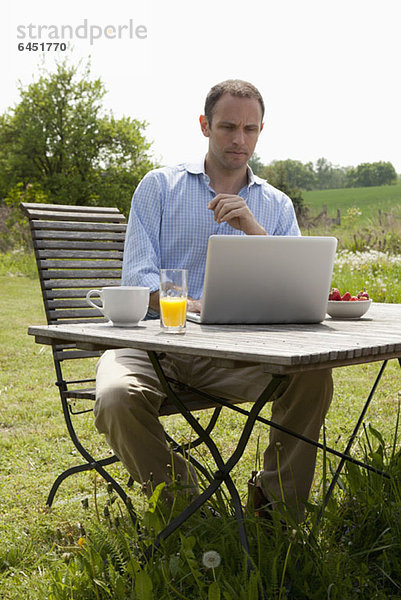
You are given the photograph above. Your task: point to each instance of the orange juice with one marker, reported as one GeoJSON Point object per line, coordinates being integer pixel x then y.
{"type": "Point", "coordinates": [173, 311]}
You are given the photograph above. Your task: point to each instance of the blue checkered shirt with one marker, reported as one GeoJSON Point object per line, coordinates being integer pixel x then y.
{"type": "Point", "coordinates": [169, 223]}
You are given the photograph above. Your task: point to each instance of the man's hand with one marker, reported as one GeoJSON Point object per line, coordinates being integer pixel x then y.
{"type": "Point", "coordinates": [234, 210]}
{"type": "Point", "coordinates": [193, 305]}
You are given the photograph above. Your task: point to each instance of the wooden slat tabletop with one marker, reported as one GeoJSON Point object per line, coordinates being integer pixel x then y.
{"type": "Point", "coordinates": [280, 348]}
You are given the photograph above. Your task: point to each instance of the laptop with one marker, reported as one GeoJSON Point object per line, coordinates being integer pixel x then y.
{"type": "Point", "coordinates": [266, 279]}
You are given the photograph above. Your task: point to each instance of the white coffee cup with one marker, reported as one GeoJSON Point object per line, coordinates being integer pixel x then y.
{"type": "Point", "coordinates": [124, 306]}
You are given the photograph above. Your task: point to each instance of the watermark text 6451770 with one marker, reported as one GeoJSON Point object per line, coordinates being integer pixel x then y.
{"type": "Point", "coordinates": [42, 47]}
{"type": "Point", "coordinates": [84, 31]}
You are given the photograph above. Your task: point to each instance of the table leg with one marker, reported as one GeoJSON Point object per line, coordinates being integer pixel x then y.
{"type": "Point", "coordinates": [324, 447]}
{"type": "Point", "coordinates": [345, 454]}
{"type": "Point", "coordinates": [224, 467]}
{"type": "Point", "coordinates": [346, 457]}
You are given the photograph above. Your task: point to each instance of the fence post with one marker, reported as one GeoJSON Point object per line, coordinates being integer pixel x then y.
{"type": "Point", "coordinates": [338, 218]}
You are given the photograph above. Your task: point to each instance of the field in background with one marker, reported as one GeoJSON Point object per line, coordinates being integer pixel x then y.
{"type": "Point", "coordinates": [362, 219]}
{"type": "Point", "coordinates": [369, 200]}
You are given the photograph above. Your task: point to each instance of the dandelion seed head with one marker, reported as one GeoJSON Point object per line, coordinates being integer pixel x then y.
{"type": "Point", "coordinates": [211, 559]}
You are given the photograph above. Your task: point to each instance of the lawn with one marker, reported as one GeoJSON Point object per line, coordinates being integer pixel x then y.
{"type": "Point", "coordinates": [62, 553]}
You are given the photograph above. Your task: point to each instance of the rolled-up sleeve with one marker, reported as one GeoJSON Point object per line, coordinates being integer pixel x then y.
{"type": "Point", "coordinates": [141, 261]}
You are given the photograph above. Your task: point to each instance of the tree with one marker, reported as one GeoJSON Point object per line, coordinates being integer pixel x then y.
{"type": "Point", "coordinates": [60, 138]}
{"type": "Point", "coordinates": [369, 174]}
{"type": "Point", "coordinates": [328, 176]}
{"type": "Point", "coordinates": [277, 177]}
{"type": "Point", "coordinates": [256, 165]}
{"type": "Point", "coordinates": [297, 174]}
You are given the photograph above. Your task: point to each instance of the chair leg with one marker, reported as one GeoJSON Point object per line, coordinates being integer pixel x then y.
{"type": "Point", "coordinates": [97, 465]}
{"type": "Point", "coordinates": [71, 471]}
{"type": "Point", "coordinates": [91, 463]}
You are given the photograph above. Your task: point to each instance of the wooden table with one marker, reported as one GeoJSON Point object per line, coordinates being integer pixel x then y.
{"type": "Point", "coordinates": [281, 349]}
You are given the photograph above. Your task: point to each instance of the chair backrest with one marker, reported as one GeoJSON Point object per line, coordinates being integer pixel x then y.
{"type": "Point", "coordinates": [77, 248]}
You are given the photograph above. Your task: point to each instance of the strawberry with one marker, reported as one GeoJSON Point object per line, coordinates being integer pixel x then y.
{"type": "Point", "coordinates": [346, 297]}
{"type": "Point", "coordinates": [353, 298]}
{"type": "Point", "coordinates": [335, 294]}
{"type": "Point", "coordinates": [363, 296]}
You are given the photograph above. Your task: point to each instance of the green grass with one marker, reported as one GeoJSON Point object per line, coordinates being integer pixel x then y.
{"type": "Point", "coordinates": [357, 552]}
{"type": "Point", "coordinates": [40, 549]}
{"type": "Point", "coordinates": [369, 200]}
{"type": "Point", "coordinates": [18, 263]}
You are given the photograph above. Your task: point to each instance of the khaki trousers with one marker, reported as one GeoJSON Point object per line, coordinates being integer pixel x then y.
{"type": "Point", "coordinates": [129, 398]}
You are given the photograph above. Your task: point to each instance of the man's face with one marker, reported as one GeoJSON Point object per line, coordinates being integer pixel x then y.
{"type": "Point", "coordinates": [234, 131]}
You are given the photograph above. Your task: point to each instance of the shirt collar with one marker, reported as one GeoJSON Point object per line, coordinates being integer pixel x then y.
{"type": "Point", "coordinates": [198, 168]}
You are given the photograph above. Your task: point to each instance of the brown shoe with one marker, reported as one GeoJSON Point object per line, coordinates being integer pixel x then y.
{"type": "Point", "coordinates": [257, 503]}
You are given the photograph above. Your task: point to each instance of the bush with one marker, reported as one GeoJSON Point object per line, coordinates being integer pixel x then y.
{"type": "Point", "coordinates": [14, 228]}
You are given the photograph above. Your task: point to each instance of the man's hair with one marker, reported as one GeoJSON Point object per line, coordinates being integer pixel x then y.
{"type": "Point", "coordinates": [235, 87]}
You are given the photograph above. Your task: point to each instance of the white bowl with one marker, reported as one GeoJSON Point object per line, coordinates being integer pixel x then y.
{"type": "Point", "coordinates": [347, 309]}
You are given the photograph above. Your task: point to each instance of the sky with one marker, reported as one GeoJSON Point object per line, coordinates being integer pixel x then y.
{"type": "Point", "coordinates": [328, 70]}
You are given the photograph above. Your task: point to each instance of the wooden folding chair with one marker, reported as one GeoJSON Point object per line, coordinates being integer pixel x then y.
{"type": "Point", "coordinates": [78, 248]}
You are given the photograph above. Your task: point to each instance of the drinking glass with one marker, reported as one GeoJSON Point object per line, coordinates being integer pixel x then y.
{"type": "Point", "coordinates": [173, 294]}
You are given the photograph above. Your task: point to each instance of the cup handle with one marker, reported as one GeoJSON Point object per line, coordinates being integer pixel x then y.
{"type": "Point", "coordinates": [89, 301]}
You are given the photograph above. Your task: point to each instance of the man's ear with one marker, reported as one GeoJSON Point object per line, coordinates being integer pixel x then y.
{"type": "Point", "coordinates": [204, 123]}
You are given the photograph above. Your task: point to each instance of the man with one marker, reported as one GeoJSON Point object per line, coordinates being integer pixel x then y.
{"type": "Point", "coordinates": [174, 211]}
